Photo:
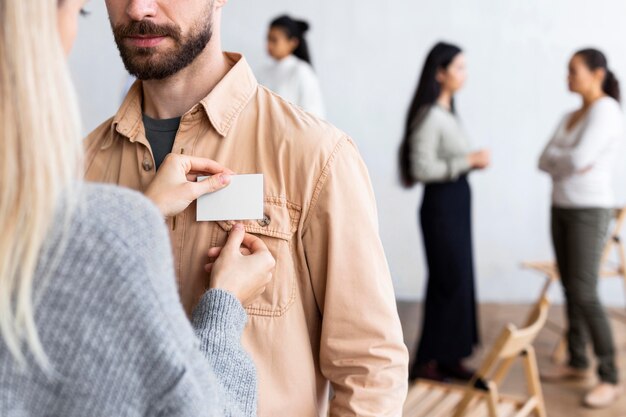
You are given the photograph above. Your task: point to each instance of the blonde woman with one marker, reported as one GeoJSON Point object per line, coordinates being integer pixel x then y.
{"type": "Point", "coordinates": [90, 320]}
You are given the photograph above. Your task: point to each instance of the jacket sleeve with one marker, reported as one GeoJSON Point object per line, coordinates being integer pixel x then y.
{"type": "Point", "coordinates": [426, 164]}
{"type": "Point", "coordinates": [362, 352]}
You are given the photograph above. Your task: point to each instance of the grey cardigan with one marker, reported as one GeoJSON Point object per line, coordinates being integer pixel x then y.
{"type": "Point", "coordinates": [115, 331]}
{"type": "Point", "coordinates": [439, 147]}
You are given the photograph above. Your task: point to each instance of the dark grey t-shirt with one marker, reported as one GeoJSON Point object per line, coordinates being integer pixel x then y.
{"type": "Point", "coordinates": [161, 134]}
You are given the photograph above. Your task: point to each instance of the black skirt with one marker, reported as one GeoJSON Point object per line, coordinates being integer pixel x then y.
{"type": "Point", "coordinates": [449, 330]}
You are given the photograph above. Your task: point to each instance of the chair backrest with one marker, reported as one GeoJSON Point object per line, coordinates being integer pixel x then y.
{"type": "Point", "coordinates": [513, 341]}
{"type": "Point", "coordinates": [520, 339]}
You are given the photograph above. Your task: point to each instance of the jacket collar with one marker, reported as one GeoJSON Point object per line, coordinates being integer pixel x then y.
{"type": "Point", "coordinates": [222, 105]}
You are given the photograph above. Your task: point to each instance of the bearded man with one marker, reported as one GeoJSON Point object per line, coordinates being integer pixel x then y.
{"type": "Point", "coordinates": [329, 317]}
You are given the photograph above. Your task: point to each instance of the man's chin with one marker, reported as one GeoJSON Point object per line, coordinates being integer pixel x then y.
{"type": "Point", "coordinates": [145, 61]}
{"type": "Point", "coordinates": [147, 70]}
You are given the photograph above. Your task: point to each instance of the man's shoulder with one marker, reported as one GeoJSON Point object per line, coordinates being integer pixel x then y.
{"type": "Point", "coordinates": [101, 132]}
{"type": "Point", "coordinates": [293, 125]}
{"type": "Point", "coordinates": [98, 140]}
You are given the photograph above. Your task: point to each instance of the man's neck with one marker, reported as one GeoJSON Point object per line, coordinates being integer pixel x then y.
{"type": "Point", "coordinates": [175, 95]}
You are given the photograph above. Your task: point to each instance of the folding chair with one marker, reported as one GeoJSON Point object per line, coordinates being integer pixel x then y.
{"type": "Point", "coordinates": [612, 264]}
{"type": "Point", "coordinates": [481, 396]}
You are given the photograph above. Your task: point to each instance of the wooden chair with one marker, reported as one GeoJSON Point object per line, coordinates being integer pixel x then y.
{"type": "Point", "coordinates": [612, 265]}
{"type": "Point", "coordinates": [481, 396]}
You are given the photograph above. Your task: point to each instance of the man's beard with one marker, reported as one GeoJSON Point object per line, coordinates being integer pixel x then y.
{"type": "Point", "coordinates": [146, 63]}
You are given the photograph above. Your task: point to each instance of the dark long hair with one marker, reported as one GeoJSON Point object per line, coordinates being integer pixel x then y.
{"type": "Point", "coordinates": [295, 29]}
{"type": "Point", "coordinates": [427, 93]}
{"type": "Point", "coordinates": [594, 60]}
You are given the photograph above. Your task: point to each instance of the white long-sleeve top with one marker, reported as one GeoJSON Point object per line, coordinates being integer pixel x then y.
{"type": "Point", "coordinates": [295, 81]}
{"type": "Point", "coordinates": [581, 159]}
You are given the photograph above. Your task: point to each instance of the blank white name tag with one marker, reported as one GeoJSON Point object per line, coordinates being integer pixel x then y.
{"type": "Point", "coordinates": [241, 200]}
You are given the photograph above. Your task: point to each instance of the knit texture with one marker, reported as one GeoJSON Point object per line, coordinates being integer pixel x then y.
{"type": "Point", "coordinates": [114, 330]}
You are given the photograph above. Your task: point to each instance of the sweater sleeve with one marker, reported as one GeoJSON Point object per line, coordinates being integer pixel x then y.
{"type": "Point", "coordinates": [426, 164]}
{"type": "Point", "coordinates": [218, 321]}
{"type": "Point", "coordinates": [208, 372]}
{"type": "Point", "coordinates": [218, 377]}
{"type": "Point", "coordinates": [545, 162]}
{"type": "Point", "coordinates": [218, 372]}
{"type": "Point", "coordinates": [601, 127]}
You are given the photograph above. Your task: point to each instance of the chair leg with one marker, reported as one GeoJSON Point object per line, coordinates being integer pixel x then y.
{"type": "Point", "coordinates": [502, 370]}
{"type": "Point", "coordinates": [466, 401]}
{"type": "Point", "coordinates": [492, 401]}
{"type": "Point", "coordinates": [532, 379]}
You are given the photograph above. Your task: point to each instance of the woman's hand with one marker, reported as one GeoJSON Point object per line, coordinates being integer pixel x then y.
{"type": "Point", "coordinates": [479, 159]}
{"type": "Point", "coordinates": [242, 267]}
{"type": "Point", "coordinates": [174, 187]}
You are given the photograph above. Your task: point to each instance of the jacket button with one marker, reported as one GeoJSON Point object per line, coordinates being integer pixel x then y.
{"type": "Point", "coordinates": [265, 221]}
{"type": "Point", "coordinates": [147, 165]}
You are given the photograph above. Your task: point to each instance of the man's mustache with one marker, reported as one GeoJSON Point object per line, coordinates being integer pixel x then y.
{"type": "Point", "coordinates": [145, 27]}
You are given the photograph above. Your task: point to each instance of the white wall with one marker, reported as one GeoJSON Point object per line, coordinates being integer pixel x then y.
{"type": "Point", "coordinates": [368, 55]}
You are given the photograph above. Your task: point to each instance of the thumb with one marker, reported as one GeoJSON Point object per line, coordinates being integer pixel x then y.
{"type": "Point", "coordinates": [210, 184]}
{"type": "Point", "coordinates": [235, 238]}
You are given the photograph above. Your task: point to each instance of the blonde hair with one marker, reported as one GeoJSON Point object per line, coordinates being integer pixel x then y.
{"type": "Point", "coordinates": [40, 159]}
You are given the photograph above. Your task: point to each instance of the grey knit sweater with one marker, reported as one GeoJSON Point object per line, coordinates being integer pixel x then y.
{"type": "Point", "coordinates": [115, 331]}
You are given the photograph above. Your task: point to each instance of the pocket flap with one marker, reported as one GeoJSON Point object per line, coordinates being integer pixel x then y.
{"type": "Point", "coordinates": [280, 219]}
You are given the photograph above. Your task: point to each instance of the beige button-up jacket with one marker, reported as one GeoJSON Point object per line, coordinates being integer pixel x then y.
{"type": "Point", "coordinates": [329, 315]}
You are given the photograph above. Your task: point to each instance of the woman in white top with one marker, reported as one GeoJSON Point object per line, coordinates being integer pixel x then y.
{"type": "Point", "coordinates": [580, 159]}
{"type": "Point", "coordinates": [291, 75]}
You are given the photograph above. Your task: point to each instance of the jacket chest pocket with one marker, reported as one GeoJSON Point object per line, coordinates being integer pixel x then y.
{"type": "Point", "coordinates": [276, 229]}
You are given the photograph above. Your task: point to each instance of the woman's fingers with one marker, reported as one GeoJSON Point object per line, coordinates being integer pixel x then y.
{"type": "Point", "coordinates": [235, 238]}
{"type": "Point", "coordinates": [215, 252]}
{"type": "Point", "coordinates": [203, 165]}
{"type": "Point", "coordinates": [257, 247]}
{"type": "Point", "coordinates": [253, 243]}
{"type": "Point", "coordinates": [208, 185]}
{"type": "Point", "coordinates": [204, 174]}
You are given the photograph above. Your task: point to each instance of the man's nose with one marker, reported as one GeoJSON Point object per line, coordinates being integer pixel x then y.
{"type": "Point", "coordinates": [139, 10]}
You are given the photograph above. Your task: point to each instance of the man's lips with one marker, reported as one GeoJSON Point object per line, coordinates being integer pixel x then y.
{"type": "Point", "coordinates": [145, 41]}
